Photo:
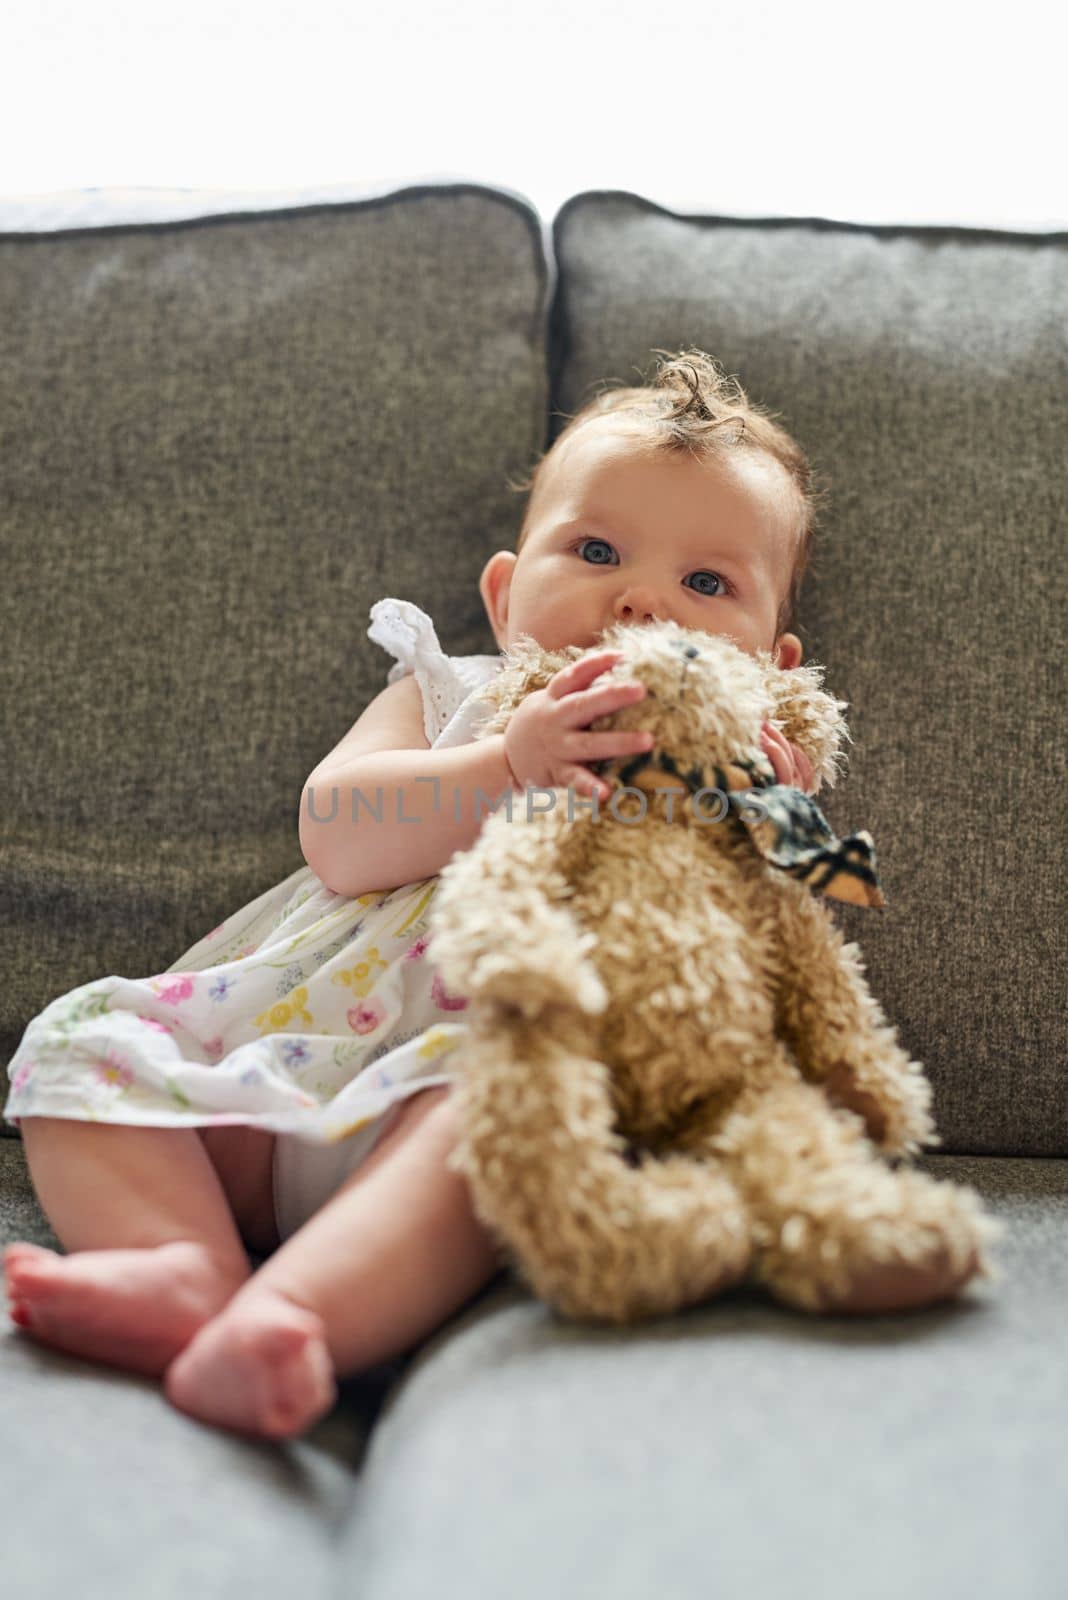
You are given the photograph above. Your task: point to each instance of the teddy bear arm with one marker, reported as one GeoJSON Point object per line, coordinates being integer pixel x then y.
{"type": "Point", "coordinates": [501, 927]}
{"type": "Point", "coordinates": [840, 1037]}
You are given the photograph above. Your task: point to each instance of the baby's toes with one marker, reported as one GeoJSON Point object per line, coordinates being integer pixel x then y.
{"type": "Point", "coordinates": [29, 1272]}
{"type": "Point", "coordinates": [299, 1382]}
{"type": "Point", "coordinates": [262, 1366]}
{"type": "Point", "coordinates": [20, 1255]}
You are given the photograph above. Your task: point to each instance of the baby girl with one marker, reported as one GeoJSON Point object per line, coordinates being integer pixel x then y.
{"type": "Point", "coordinates": [676, 499]}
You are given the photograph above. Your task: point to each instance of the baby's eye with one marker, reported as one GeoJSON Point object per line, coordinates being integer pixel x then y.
{"type": "Point", "coordinates": [715, 577]}
{"type": "Point", "coordinates": [702, 574]}
{"type": "Point", "coordinates": [584, 544]}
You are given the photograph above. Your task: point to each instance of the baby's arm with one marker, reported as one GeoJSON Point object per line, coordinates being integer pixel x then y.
{"type": "Point", "coordinates": [426, 798]}
{"type": "Point", "coordinates": [429, 800]}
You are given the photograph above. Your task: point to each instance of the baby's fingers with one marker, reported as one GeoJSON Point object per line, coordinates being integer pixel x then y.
{"type": "Point", "coordinates": [579, 674]}
{"type": "Point", "coordinates": [777, 751]}
{"type": "Point", "coordinates": [614, 742]}
{"type": "Point", "coordinates": [807, 771]}
{"type": "Point", "coordinates": [608, 743]}
{"type": "Point", "coordinates": [583, 781]}
{"type": "Point", "coordinates": [791, 764]}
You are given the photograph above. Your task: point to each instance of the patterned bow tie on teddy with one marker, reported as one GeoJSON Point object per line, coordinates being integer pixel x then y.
{"type": "Point", "coordinates": [784, 824]}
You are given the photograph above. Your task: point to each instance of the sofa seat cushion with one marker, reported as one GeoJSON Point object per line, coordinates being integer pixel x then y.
{"type": "Point", "coordinates": [737, 1448]}
{"type": "Point", "coordinates": [740, 1449]}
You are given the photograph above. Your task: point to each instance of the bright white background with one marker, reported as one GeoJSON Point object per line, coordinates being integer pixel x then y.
{"type": "Point", "coordinates": [909, 111]}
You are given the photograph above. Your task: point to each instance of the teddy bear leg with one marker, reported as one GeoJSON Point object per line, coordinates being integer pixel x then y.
{"type": "Point", "coordinates": [834, 1228]}
{"type": "Point", "coordinates": [596, 1238]}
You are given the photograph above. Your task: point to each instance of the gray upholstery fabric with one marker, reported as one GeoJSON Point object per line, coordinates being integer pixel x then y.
{"type": "Point", "coordinates": [739, 1451]}
{"type": "Point", "coordinates": [925, 372]}
{"type": "Point", "coordinates": [223, 439]}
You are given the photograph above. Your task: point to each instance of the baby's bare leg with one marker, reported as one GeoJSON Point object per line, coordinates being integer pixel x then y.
{"type": "Point", "coordinates": [389, 1257]}
{"type": "Point", "coordinates": [395, 1251]}
{"type": "Point", "coordinates": [153, 1249]}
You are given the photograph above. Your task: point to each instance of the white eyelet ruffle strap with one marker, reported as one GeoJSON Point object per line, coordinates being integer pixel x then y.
{"type": "Point", "coordinates": [406, 631]}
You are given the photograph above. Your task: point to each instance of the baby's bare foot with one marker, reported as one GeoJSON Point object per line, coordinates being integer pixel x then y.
{"type": "Point", "coordinates": [134, 1309]}
{"type": "Point", "coordinates": [261, 1367]}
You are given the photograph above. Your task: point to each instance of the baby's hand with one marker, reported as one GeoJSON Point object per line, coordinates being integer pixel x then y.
{"type": "Point", "coordinates": [547, 738]}
{"type": "Point", "coordinates": [791, 764]}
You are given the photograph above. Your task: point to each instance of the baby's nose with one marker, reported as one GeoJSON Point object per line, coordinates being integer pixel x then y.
{"type": "Point", "coordinates": [638, 608]}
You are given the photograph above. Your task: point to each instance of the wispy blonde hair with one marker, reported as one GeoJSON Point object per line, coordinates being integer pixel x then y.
{"type": "Point", "coordinates": [691, 405]}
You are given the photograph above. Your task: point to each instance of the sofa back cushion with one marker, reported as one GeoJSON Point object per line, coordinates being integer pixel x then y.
{"type": "Point", "coordinates": [925, 371]}
{"type": "Point", "coordinates": [224, 437]}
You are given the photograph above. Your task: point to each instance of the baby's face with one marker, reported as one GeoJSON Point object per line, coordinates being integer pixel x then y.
{"type": "Point", "coordinates": [619, 534]}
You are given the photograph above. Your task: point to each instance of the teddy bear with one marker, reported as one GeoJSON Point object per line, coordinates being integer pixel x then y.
{"type": "Point", "coordinates": [675, 1076]}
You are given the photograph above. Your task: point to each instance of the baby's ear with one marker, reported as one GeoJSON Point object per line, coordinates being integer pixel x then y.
{"type": "Point", "coordinates": [809, 717]}
{"type": "Point", "coordinates": [527, 667]}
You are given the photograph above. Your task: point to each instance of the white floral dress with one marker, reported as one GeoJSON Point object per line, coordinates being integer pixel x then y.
{"type": "Point", "coordinates": [305, 1012]}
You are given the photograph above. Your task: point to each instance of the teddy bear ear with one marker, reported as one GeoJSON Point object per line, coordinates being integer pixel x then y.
{"type": "Point", "coordinates": [808, 716]}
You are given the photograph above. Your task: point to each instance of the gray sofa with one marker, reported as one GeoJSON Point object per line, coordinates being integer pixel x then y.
{"type": "Point", "coordinates": [229, 425]}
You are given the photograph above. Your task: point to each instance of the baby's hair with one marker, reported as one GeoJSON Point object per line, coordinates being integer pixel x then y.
{"type": "Point", "coordinates": [690, 404]}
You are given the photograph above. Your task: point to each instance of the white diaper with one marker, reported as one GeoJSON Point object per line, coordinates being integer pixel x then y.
{"type": "Point", "coordinates": [304, 1174]}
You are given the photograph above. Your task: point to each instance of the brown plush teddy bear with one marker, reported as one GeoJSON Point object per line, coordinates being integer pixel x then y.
{"type": "Point", "coordinates": [663, 1015]}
